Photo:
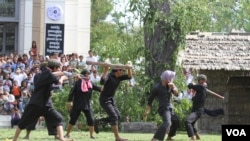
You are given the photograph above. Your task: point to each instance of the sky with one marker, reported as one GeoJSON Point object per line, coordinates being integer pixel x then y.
{"type": "Point", "coordinates": [121, 6]}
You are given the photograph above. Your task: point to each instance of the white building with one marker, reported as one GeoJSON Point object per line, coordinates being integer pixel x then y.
{"type": "Point", "coordinates": [67, 23]}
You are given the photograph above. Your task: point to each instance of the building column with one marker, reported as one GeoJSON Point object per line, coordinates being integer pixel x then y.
{"type": "Point", "coordinates": [25, 26]}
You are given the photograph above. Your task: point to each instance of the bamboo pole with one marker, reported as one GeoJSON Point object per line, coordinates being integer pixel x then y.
{"type": "Point", "coordinates": [215, 94]}
{"type": "Point", "coordinates": [109, 65]}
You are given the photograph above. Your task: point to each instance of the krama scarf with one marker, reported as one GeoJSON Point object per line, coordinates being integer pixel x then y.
{"type": "Point", "coordinates": [168, 75]}
{"type": "Point", "coordinates": [86, 85]}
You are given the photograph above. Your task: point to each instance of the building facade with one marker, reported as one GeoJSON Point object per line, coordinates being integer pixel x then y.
{"type": "Point", "coordinates": [61, 26]}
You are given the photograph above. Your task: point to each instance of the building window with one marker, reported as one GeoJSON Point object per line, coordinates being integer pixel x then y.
{"type": "Point", "coordinates": [7, 8]}
{"type": "Point", "coordinates": [7, 37]}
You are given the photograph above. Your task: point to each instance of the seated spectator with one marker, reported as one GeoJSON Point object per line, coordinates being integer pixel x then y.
{"type": "Point", "coordinates": [8, 64]}
{"type": "Point", "coordinates": [7, 69]}
{"type": "Point", "coordinates": [7, 81]}
{"type": "Point", "coordinates": [1, 73]}
{"type": "Point", "coordinates": [15, 117]}
{"type": "Point", "coordinates": [64, 61]}
{"type": "Point", "coordinates": [9, 101]}
{"type": "Point", "coordinates": [18, 76]}
{"type": "Point", "coordinates": [16, 91]}
{"type": "Point", "coordinates": [25, 96]}
{"type": "Point", "coordinates": [18, 64]}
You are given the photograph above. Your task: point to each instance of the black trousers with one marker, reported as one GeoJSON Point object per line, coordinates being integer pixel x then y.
{"type": "Point", "coordinates": [112, 111]}
{"type": "Point", "coordinates": [33, 112]}
{"type": "Point", "coordinates": [165, 126]}
{"type": "Point", "coordinates": [51, 130]}
{"type": "Point", "coordinates": [175, 123]}
{"type": "Point", "coordinates": [75, 113]}
{"type": "Point", "coordinates": [190, 123]}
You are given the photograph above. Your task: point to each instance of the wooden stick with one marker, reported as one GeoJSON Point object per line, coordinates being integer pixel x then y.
{"type": "Point", "coordinates": [109, 65]}
{"type": "Point", "coordinates": [215, 94]}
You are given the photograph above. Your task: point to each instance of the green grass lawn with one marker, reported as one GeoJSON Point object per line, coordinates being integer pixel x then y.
{"type": "Point", "coordinates": [41, 135]}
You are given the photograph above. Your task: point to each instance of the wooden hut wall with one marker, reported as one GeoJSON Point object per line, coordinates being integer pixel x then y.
{"type": "Point", "coordinates": [217, 82]}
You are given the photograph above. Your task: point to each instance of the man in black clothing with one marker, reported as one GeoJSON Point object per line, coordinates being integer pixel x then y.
{"type": "Point", "coordinates": [111, 82]}
{"type": "Point", "coordinates": [163, 91]}
{"type": "Point", "coordinates": [81, 94]}
{"type": "Point", "coordinates": [198, 101]}
{"type": "Point", "coordinates": [40, 103]}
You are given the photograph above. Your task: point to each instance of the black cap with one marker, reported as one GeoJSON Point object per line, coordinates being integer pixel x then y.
{"type": "Point", "coordinates": [53, 63]}
{"type": "Point", "coordinates": [44, 64]}
{"type": "Point", "coordinates": [202, 77]}
{"type": "Point", "coordinates": [85, 71]}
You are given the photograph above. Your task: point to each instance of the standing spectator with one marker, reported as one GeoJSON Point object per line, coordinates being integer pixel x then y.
{"type": "Point", "coordinates": [163, 91]}
{"type": "Point", "coordinates": [189, 79]}
{"type": "Point", "coordinates": [34, 48]}
{"type": "Point", "coordinates": [81, 94]}
{"type": "Point", "coordinates": [110, 83]}
{"type": "Point", "coordinates": [90, 58]}
{"type": "Point", "coordinates": [73, 62]}
{"type": "Point", "coordinates": [81, 63]}
{"type": "Point", "coordinates": [132, 81]}
{"type": "Point", "coordinates": [97, 58]}
{"type": "Point", "coordinates": [55, 56]}
{"type": "Point", "coordinates": [95, 77]}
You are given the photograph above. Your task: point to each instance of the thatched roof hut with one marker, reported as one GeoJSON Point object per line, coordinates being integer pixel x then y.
{"type": "Point", "coordinates": [223, 57]}
{"type": "Point", "coordinates": [213, 51]}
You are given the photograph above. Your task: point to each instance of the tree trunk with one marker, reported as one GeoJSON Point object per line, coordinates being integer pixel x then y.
{"type": "Point", "coordinates": [158, 37]}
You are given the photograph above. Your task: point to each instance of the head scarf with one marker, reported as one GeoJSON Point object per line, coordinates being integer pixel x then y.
{"type": "Point", "coordinates": [168, 76]}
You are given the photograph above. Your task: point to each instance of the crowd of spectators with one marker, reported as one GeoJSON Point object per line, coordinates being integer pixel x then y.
{"type": "Point", "coordinates": [18, 70]}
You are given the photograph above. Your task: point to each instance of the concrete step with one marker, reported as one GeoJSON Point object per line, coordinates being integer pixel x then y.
{"type": "Point", "coordinates": [5, 121]}
{"type": "Point", "coordinates": [138, 127]}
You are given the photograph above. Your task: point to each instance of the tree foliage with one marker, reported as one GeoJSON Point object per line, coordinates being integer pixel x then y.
{"type": "Point", "coordinates": [155, 30]}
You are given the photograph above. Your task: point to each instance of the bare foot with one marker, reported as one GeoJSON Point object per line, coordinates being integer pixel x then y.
{"type": "Point", "coordinates": [26, 138]}
{"type": "Point", "coordinates": [197, 136]}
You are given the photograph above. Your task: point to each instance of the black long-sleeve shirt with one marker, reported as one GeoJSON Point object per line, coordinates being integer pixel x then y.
{"type": "Point", "coordinates": [111, 83]}
{"type": "Point", "coordinates": [42, 88]}
{"type": "Point", "coordinates": [81, 100]}
{"type": "Point", "coordinates": [200, 96]}
{"type": "Point", "coordinates": [163, 95]}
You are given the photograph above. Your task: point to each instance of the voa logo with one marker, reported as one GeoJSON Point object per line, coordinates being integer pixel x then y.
{"type": "Point", "coordinates": [236, 132]}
